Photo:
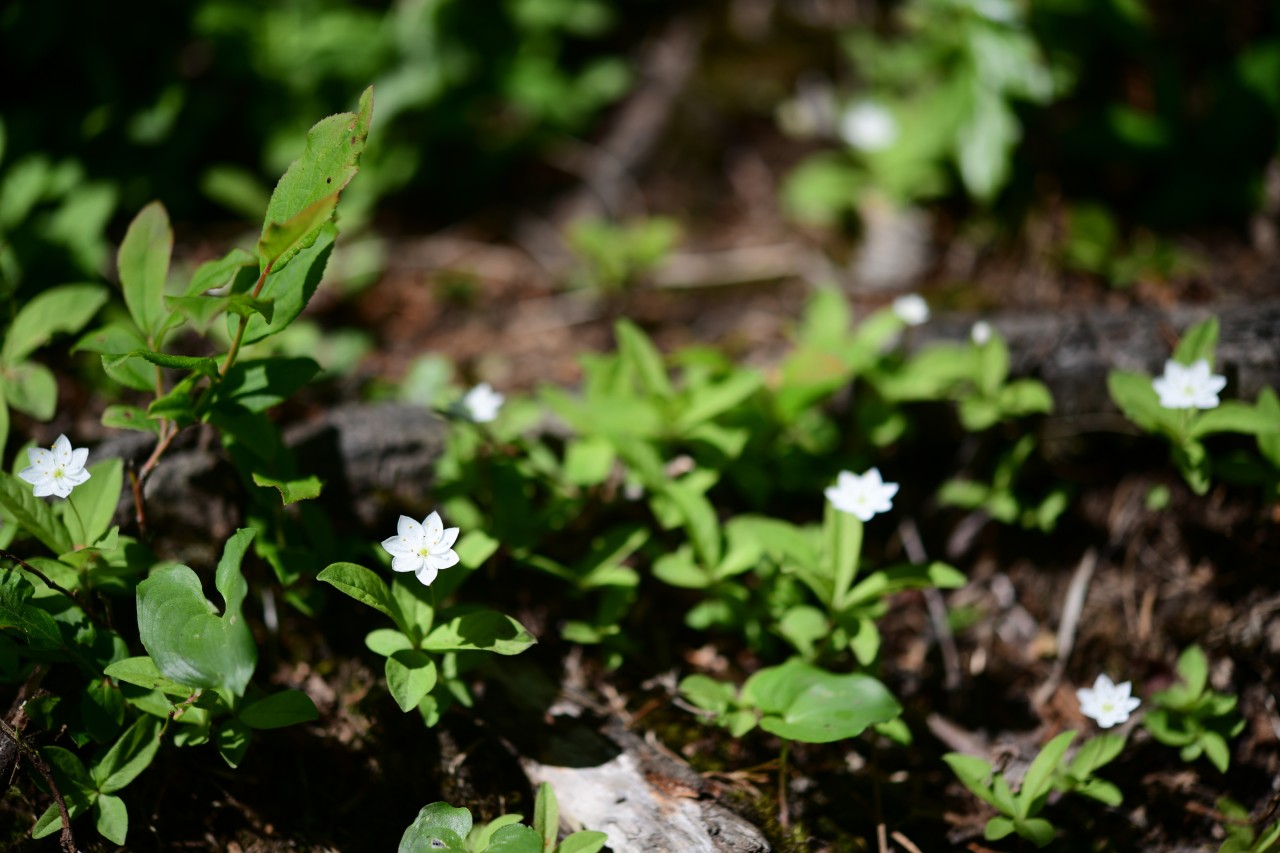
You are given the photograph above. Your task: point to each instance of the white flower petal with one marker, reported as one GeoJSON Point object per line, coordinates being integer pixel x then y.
{"type": "Point", "coordinates": [40, 459]}
{"type": "Point", "coordinates": [79, 457]}
{"type": "Point", "coordinates": [444, 560]}
{"type": "Point", "coordinates": [75, 478]}
{"type": "Point", "coordinates": [407, 563]}
{"type": "Point", "coordinates": [432, 529]}
{"type": "Point", "coordinates": [397, 547]}
{"type": "Point", "coordinates": [31, 474]}
{"type": "Point", "coordinates": [410, 530]}
{"type": "Point", "coordinates": [427, 573]}
{"type": "Point", "coordinates": [450, 536]}
{"type": "Point", "coordinates": [62, 450]}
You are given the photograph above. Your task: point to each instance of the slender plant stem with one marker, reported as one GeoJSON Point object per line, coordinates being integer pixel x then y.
{"type": "Point", "coordinates": [54, 585]}
{"type": "Point", "coordinates": [67, 838]}
{"type": "Point", "coordinates": [244, 323]}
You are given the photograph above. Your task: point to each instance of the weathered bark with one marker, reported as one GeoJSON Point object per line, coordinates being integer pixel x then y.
{"type": "Point", "coordinates": [1072, 353]}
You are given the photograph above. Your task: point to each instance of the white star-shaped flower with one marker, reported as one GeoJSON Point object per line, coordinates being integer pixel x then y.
{"type": "Point", "coordinates": [1188, 386]}
{"type": "Point", "coordinates": [868, 126]}
{"type": "Point", "coordinates": [482, 403]}
{"type": "Point", "coordinates": [423, 549]}
{"type": "Point", "coordinates": [980, 333]}
{"type": "Point", "coordinates": [911, 309]}
{"type": "Point", "coordinates": [864, 496]}
{"type": "Point", "coordinates": [1107, 703]}
{"type": "Point", "coordinates": [56, 471]}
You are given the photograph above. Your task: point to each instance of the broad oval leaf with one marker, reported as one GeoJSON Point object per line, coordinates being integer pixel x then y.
{"type": "Point", "coordinates": [482, 630]}
{"type": "Point", "coordinates": [437, 824]}
{"type": "Point", "coordinates": [143, 261]}
{"type": "Point", "coordinates": [279, 710]}
{"type": "Point", "coordinates": [59, 309]}
{"type": "Point", "coordinates": [805, 703]}
{"type": "Point", "coordinates": [410, 676]}
{"type": "Point", "coordinates": [362, 585]}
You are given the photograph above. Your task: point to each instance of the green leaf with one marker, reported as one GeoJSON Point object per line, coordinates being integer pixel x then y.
{"type": "Point", "coordinates": [636, 348]}
{"type": "Point", "coordinates": [1235, 416]}
{"type": "Point", "coordinates": [202, 365]}
{"type": "Point", "coordinates": [259, 385]}
{"type": "Point", "coordinates": [32, 514]}
{"type": "Point", "coordinates": [282, 240]}
{"type": "Point", "coordinates": [588, 461]}
{"type": "Point", "coordinates": [1094, 753]}
{"type": "Point", "coordinates": [1039, 778]}
{"type": "Point", "coordinates": [700, 521]}
{"type": "Point", "coordinates": [1193, 667]}
{"type": "Point", "coordinates": [142, 671]}
{"type": "Point", "coordinates": [292, 491]}
{"type": "Point", "coordinates": [1102, 791]}
{"type": "Point", "coordinates": [233, 741]}
{"type": "Point", "coordinates": [997, 828]}
{"type": "Point", "coordinates": [1137, 398]}
{"type": "Point", "coordinates": [129, 756]}
{"type": "Point", "coordinates": [329, 161]}
{"type": "Point", "coordinates": [515, 839]}
{"type": "Point", "coordinates": [129, 417]}
{"type": "Point", "coordinates": [133, 373]}
{"type": "Point", "coordinates": [201, 311]}
{"type": "Point", "coordinates": [111, 818]}
{"type": "Point", "coordinates": [218, 273]}
{"type": "Point", "coordinates": [805, 703]}
{"type": "Point", "coordinates": [290, 289]}
{"type": "Point", "coordinates": [1216, 750]}
{"type": "Point", "coordinates": [973, 773]}
{"type": "Point", "coordinates": [707, 403]}
{"type": "Point", "coordinates": [480, 836]}
{"type": "Point", "coordinates": [66, 308]}
{"type": "Point", "coordinates": [182, 632]}
{"type": "Point", "coordinates": [31, 388]}
{"type": "Point", "coordinates": [17, 612]}
{"type": "Point", "coordinates": [546, 816]}
{"type": "Point", "coordinates": [843, 534]}
{"type": "Point", "coordinates": [804, 626]}
{"type": "Point", "coordinates": [474, 547]}
{"type": "Point", "coordinates": [438, 826]}
{"type": "Point", "coordinates": [1198, 342]}
{"type": "Point", "coordinates": [585, 841]}
{"type": "Point", "coordinates": [143, 261]}
{"type": "Point", "coordinates": [1037, 830]}
{"type": "Point", "coordinates": [95, 502]}
{"type": "Point", "coordinates": [364, 586]}
{"type": "Point", "coordinates": [387, 641]}
{"type": "Point", "coordinates": [411, 675]}
{"type": "Point", "coordinates": [677, 568]}
{"type": "Point", "coordinates": [278, 710]}
{"type": "Point", "coordinates": [480, 630]}
{"type": "Point", "coordinates": [707, 693]}
{"type": "Point", "coordinates": [885, 582]}
{"type": "Point", "coordinates": [1025, 397]}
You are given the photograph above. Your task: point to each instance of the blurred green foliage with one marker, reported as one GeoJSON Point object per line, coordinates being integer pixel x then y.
{"type": "Point", "coordinates": [199, 104]}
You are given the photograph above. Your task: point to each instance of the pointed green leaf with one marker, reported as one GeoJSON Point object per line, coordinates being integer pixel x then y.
{"type": "Point", "coordinates": [143, 261]}
{"type": "Point", "coordinates": [1198, 342]}
{"type": "Point", "coordinates": [17, 612]}
{"type": "Point", "coordinates": [66, 308]}
{"type": "Point", "coordinates": [111, 818]}
{"type": "Point", "coordinates": [516, 839]}
{"type": "Point", "coordinates": [481, 630]}
{"type": "Point", "coordinates": [639, 351]}
{"type": "Point", "coordinates": [1039, 776]}
{"type": "Point", "coordinates": [329, 161]}
{"type": "Point", "coordinates": [411, 675]}
{"type": "Point", "coordinates": [133, 373]}
{"type": "Point", "coordinates": [364, 586]}
{"type": "Point", "coordinates": [142, 671]}
{"type": "Point", "coordinates": [585, 841]}
{"type": "Point", "coordinates": [546, 816]}
{"type": "Point", "coordinates": [129, 417]}
{"type": "Point", "coordinates": [260, 384]}
{"type": "Point", "coordinates": [278, 710]}
{"type": "Point", "coordinates": [129, 756]}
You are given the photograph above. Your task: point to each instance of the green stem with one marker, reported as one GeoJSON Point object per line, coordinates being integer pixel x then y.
{"type": "Point", "coordinates": [244, 323]}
